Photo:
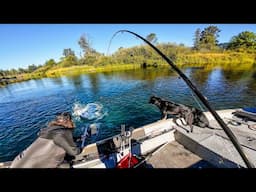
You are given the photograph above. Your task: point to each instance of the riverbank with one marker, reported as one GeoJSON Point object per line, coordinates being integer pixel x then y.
{"type": "Point", "coordinates": [229, 60]}
{"type": "Point", "coordinates": [69, 71]}
{"type": "Point", "coordinates": [222, 59]}
{"type": "Point", "coordinates": [76, 70]}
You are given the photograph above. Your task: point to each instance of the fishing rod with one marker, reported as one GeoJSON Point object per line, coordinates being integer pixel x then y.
{"type": "Point", "coordinates": [200, 96]}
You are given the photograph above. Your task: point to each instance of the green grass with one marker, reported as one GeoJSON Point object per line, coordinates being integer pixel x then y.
{"type": "Point", "coordinates": [75, 70]}
{"type": "Point", "coordinates": [219, 59]}
{"type": "Point", "coordinates": [227, 60]}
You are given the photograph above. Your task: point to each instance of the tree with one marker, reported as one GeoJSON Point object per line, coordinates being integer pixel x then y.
{"type": "Point", "coordinates": [50, 63]}
{"type": "Point", "coordinates": [32, 68]}
{"type": "Point", "coordinates": [68, 52]}
{"type": "Point", "coordinates": [197, 39]}
{"type": "Point", "coordinates": [85, 44]}
{"type": "Point", "coordinates": [245, 40]}
{"type": "Point", "coordinates": [21, 70]}
{"type": "Point", "coordinates": [208, 38]}
{"type": "Point", "coordinates": [13, 72]}
{"type": "Point", "coordinates": [152, 38]}
{"type": "Point", "coordinates": [2, 73]}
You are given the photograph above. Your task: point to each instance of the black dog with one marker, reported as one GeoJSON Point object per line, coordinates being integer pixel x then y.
{"type": "Point", "coordinates": [191, 115]}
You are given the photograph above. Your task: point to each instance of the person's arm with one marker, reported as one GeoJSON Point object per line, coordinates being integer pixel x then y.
{"type": "Point", "coordinates": [65, 140]}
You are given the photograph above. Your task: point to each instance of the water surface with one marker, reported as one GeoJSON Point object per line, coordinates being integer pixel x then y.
{"type": "Point", "coordinates": [26, 107]}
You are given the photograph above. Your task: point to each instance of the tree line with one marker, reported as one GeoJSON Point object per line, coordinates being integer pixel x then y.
{"type": "Point", "coordinates": [205, 41]}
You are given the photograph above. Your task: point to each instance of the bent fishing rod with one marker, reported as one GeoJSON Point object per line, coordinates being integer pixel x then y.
{"type": "Point", "coordinates": [200, 96]}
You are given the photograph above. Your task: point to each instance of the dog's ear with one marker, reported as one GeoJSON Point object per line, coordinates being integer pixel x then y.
{"type": "Point", "coordinates": [152, 99]}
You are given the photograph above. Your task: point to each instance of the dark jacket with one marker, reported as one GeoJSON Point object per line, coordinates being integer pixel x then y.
{"type": "Point", "coordinates": [48, 150]}
{"type": "Point", "coordinates": [62, 137]}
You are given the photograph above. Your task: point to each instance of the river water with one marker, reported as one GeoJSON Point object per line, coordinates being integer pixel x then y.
{"type": "Point", "coordinates": [123, 97]}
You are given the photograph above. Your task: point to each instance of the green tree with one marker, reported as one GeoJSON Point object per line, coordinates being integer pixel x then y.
{"type": "Point", "coordinates": [13, 72]}
{"type": "Point", "coordinates": [2, 73]}
{"type": "Point", "coordinates": [152, 38]}
{"type": "Point", "coordinates": [32, 68]}
{"type": "Point", "coordinates": [244, 40]}
{"type": "Point", "coordinates": [67, 52]}
{"type": "Point", "coordinates": [197, 39]}
{"type": "Point", "coordinates": [21, 70]}
{"type": "Point", "coordinates": [208, 38]}
{"type": "Point", "coordinates": [50, 63]}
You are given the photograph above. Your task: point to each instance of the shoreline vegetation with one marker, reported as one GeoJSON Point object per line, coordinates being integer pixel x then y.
{"type": "Point", "coordinates": [238, 54]}
{"type": "Point", "coordinates": [231, 60]}
{"type": "Point", "coordinates": [234, 61]}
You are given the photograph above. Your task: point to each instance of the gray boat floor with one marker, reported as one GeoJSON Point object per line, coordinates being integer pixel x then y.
{"type": "Point", "coordinates": [174, 155]}
{"type": "Point", "coordinates": [214, 146]}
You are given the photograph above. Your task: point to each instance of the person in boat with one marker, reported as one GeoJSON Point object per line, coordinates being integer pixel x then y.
{"type": "Point", "coordinates": [55, 142]}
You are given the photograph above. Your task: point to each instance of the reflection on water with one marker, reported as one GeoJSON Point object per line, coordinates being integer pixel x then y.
{"type": "Point", "coordinates": [26, 107]}
{"type": "Point", "coordinates": [94, 79]}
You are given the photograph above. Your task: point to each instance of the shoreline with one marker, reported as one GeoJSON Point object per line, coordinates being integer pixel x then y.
{"type": "Point", "coordinates": [79, 69]}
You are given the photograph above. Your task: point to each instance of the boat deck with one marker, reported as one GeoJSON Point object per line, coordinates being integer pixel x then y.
{"type": "Point", "coordinates": [214, 146]}
{"type": "Point", "coordinates": [174, 155]}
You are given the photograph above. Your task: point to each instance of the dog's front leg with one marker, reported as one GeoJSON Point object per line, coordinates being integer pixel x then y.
{"type": "Point", "coordinates": [190, 120]}
{"type": "Point", "coordinates": [191, 128]}
{"type": "Point", "coordinates": [189, 117]}
{"type": "Point", "coordinates": [175, 120]}
{"type": "Point", "coordinates": [164, 115]}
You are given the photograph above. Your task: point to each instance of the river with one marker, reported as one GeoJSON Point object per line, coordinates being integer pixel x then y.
{"type": "Point", "coordinates": [26, 107]}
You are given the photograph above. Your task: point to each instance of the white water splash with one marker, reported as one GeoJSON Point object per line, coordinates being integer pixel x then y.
{"type": "Point", "coordinates": [90, 111]}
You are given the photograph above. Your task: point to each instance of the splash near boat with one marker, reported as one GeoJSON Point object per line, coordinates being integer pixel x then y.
{"type": "Point", "coordinates": [91, 111]}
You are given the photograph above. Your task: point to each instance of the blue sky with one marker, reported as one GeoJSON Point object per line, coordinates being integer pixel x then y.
{"type": "Point", "coordinates": [25, 44]}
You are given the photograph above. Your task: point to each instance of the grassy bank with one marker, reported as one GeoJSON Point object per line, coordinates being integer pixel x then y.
{"type": "Point", "coordinates": [75, 70]}
{"type": "Point", "coordinates": [228, 60]}
{"type": "Point", "coordinates": [219, 59]}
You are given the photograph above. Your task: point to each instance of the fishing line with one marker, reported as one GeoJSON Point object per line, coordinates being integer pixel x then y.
{"type": "Point", "coordinates": [107, 54]}
{"type": "Point", "coordinates": [198, 103]}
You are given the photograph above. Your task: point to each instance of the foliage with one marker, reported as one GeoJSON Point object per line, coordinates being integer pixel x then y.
{"type": "Point", "coordinates": [207, 40]}
{"type": "Point", "coordinates": [197, 39]}
{"type": "Point", "coordinates": [152, 38]}
{"type": "Point", "coordinates": [205, 52]}
{"type": "Point", "coordinates": [68, 52]}
{"type": "Point", "coordinates": [32, 68]}
{"type": "Point", "coordinates": [243, 41]}
{"type": "Point", "coordinates": [68, 61]}
{"type": "Point", "coordinates": [85, 44]}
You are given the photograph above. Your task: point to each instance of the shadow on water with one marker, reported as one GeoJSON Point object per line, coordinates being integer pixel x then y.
{"type": "Point", "coordinates": [94, 79]}
{"type": "Point", "coordinates": [76, 81]}
{"type": "Point", "coordinates": [198, 76]}
{"type": "Point", "coordinates": [149, 74]}
{"type": "Point", "coordinates": [58, 81]}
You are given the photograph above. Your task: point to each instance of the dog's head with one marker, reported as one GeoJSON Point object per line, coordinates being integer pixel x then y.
{"type": "Point", "coordinates": [154, 100]}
